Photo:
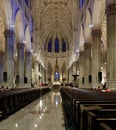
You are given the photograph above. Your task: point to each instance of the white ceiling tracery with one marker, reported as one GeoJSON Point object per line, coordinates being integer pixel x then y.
{"type": "Point", "coordinates": [55, 18]}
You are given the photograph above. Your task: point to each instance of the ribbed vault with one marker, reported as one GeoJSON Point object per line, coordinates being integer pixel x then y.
{"type": "Point", "coordinates": [54, 19]}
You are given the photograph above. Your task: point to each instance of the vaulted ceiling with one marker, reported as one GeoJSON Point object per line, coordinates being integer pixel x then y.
{"type": "Point", "coordinates": [55, 18]}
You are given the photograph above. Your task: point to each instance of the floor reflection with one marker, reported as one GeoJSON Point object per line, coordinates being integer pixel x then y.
{"type": "Point", "coordinates": [44, 113]}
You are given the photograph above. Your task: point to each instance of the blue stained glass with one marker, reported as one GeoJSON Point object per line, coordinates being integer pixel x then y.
{"type": "Point", "coordinates": [57, 75]}
{"type": "Point", "coordinates": [63, 46]}
{"type": "Point", "coordinates": [27, 2]}
{"type": "Point", "coordinates": [56, 45]}
{"type": "Point", "coordinates": [81, 3]}
{"type": "Point", "coordinates": [50, 46]}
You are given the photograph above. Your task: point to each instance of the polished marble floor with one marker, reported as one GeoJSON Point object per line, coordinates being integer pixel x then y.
{"type": "Point", "coordinates": [43, 114]}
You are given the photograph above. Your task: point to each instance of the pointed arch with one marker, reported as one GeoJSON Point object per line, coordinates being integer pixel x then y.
{"type": "Point", "coordinates": [56, 45]}
{"type": "Point", "coordinates": [5, 6]}
{"type": "Point", "coordinates": [81, 40]}
{"type": "Point", "coordinates": [87, 26]}
{"type": "Point", "coordinates": [19, 28]}
{"type": "Point", "coordinates": [27, 39]}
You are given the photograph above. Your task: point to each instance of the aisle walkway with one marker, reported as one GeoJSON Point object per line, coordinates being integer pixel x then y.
{"type": "Point", "coordinates": [43, 114]}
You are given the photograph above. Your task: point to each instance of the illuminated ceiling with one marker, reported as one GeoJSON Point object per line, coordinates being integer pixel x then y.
{"type": "Point", "coordinates": [55, 18]}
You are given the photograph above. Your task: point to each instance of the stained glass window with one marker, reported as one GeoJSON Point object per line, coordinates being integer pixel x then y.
{"type": "Point", "coordinates": [56, 45]}
{"type": "Point", "coordinates": [50, 46]}
{"type": "Point", "coordinates": [81, 3]}
{"type": "Point", "coordinates": [63, 46]}
{"type": "Point", "coordinates": [27, 2]}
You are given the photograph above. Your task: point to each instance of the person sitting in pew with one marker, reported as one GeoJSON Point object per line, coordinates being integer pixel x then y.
{"type": "Point", "coordinates": [2, 87]}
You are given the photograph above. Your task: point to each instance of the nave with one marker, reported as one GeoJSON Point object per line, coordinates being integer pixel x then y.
{"type": "Point", "coordinates": [43, 114]}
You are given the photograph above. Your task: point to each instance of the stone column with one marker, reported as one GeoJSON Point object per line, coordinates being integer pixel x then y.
{"type": "Point", "coordinates": [70, 74]}
{"type": "Point", "coordinates": [96, 58]}
{"type": "Point", "coordinates": [111, 44]}
{"type": "Point", "coordinates": [28, 70]}
{"type": "Point", "coordinates": [1, 67]}
{"type": "Point", "coordinates": [67, 77]}
{"type": "Point", "coordinates": [20, 76]}
{"type": "Point", "coordinates": [9, 58]}
{"type": "Point", "coordinates": [87, 65]}
{"type": "Point", "coordinates": [81, 69]}
{"type": "Point", "coordinates": [36, 73]}
{"type": "Point", "coordinates": [45, 75]}
{"type": "Point", "coordinates": [40, 79]}
{"type": "Point", "coordinates": [74, 68]}
{"type": "Point", "coordinates": [42, 74]}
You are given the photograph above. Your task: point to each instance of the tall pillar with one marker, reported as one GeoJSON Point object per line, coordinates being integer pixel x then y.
{"type": "Point", "coordinates": [81, 69]}
{"type": "Point", "coordinates": [74, 68]}
{"type": "Point", "coordinates": [43, 74]}
{"type": "Point", "coordinates": [96, 58]}
{"type": "Point", "coordinates": [28, 71]}
{"type": "Point", "coordinates": [87, 65]}
{"type": "Point", "coordinates": [67, 79]}
{"type": "Point", "coordinates": [70, 74]}
{"type": "Point", "coordinates": [40, 79]}
{"type": "Point", "coordinates": [45, 78]}
{"type": "Point", "coordinates": [9, 58]}
{"type": "Point", "coordinates": [20, 51]}
{"type": "Point", "coordinates": [39, 72]}
{"type": "Point", "coordinates": [1, 67]}
{"type": "Point", "coordinates": [111, 44]}
{"type": "Point", "coordinates": [36, 73]}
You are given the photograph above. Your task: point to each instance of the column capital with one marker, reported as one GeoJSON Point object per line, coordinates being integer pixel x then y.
{"type": "Point", "coordinates": [111, 9]}
{"type": "Point", "coordinates": [81, 53]}
{"type": "Point", "coordinates": [27, 53]}
{"type": "Point", "coordinates": [9, 33]}
{"type": "Point", "coordinates": [1, 53]}
{"type": "Point", "coordinates": [96, 33]}
{"type": "Point", "coordinates": [20, 45]}
{"type": "Point", "coordinates": [87, 45]}
{"type": "Point", "coordinates": [36, 62]}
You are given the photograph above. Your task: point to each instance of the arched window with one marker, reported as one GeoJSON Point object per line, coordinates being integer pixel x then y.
{"type": "Point", "coordinates": [56, 45]}
{"type": "Point", "coordinates": [56, 75]}
{"type": "Point", "coordinates": [81, 3]}
{"type": "Point", "coordinates": [63, 46]}
{"type": "Point", "coordinates": [27, 2]}
{"type": "Point", "coordinates": [50, 46]}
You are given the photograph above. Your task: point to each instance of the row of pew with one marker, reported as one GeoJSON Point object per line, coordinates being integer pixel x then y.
{"type": "Point", "coordinates": [88, 109]}
{"type": "Point", "coordinates": [15, 99]}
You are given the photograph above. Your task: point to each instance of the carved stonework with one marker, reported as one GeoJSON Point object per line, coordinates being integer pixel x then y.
{"type": "Point", "coordinates": [8, 33]}
{"type": "Point", "coordinates": [20, 46]}
{"type": "Point", "coordinates": [111, 9]}
{"type": "Point", "coordinates": [96, 33]}
{"type": "Point", "coordinates": [28, 53]}
{"type": "Point", "coordinates": [87, 45]}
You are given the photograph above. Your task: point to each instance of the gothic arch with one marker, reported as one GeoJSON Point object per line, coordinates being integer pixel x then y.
{"type": "Point", "coordinates": [87, 28]}
{"type": "Point", "coordinates": [27, 39]}
{"type": "Point", "coordinates": [98, 13]}
{"type": "Point", "coordinates": [2, 28]}
{"type": "Point", "coordinates": [81, 40]}
{"type": "Point", "coordinates": [19, 27]}
{"type": "Point", "coordinates": [5, 6]}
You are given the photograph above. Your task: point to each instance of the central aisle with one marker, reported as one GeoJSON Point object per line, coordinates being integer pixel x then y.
{"type": "Point", "coordinates": [43, 114]}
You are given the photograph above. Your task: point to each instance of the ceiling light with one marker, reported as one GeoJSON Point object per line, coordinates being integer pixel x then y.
{"type": "Point", "coordinates": [12, 26]}
{"type": "Point", "coordinates": [77, 50]}
{"type": "Point", "coordinates": [24, 41]}
{"type": "Point", "coordinates": [90, 25]}
{"type": "Point", "coordinates": [31, 51]}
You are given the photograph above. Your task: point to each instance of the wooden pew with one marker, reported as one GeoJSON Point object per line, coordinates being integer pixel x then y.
{"type": "Point", "coordinates": [85, 108]}
{"type": "Point", "coordinates": [101, 116]}
{"type": "Point", "coordinates": [107, 126]}
{"type": "Point", "coordinates": [13, 100]}
{"type": "Point", "coordinates": [79, 97]}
